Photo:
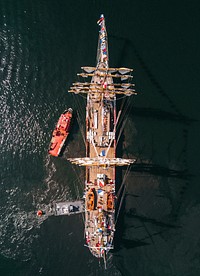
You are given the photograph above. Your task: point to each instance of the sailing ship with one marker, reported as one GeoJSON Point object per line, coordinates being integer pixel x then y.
{"type": "Point", "coordinates": [60, 132]}
{"type": "Point", "coordinates": [101, 161]}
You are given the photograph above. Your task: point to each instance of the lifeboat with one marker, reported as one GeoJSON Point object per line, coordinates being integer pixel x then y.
{"type": "Point", "coordinates": [90, 199]}
{"type": "Point", "coordinates": [110, 202]}
{"type": "Point", "coordinates": [60, 132]}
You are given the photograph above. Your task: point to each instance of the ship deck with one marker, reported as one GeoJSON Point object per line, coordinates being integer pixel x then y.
{"type": "Point", "coordinates": [100, 180]}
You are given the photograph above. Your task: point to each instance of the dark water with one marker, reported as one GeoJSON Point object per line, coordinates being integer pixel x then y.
{"type": "Point", "coordinates": [43, 46]}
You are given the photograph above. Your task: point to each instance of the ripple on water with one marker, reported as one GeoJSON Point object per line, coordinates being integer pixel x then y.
{"type": "Point", "coordinates": [29, 107]}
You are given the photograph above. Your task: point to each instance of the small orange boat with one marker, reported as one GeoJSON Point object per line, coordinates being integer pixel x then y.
{"type": "Point", "coordinates": [60, 132]}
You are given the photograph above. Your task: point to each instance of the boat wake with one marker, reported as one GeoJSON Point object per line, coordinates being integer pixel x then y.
{"type": "Point", "coordinates": [21, 198]}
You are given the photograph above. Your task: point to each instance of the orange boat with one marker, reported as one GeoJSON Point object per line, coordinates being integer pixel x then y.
{"type": "Point", "coordinates": [60, 133]}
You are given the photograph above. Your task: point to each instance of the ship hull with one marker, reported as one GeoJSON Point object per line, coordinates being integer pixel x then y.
{"type": "Point", "coordinates": [100, 160]}
{"type": "Point", "coordinates": [100, 129]}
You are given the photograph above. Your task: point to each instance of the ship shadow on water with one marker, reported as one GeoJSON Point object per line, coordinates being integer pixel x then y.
{"type": "Point", "coordinates": [158, 181]}
{"type": "Point", "coordinates": [140, 170]}
{"type": "Point", "coordinates": [159, 114]}
{"type": "Point", "coordinates": [119, 240]}
{"type": "Point", "coordinates": [141, 224]}
{"type": "Point", "coordinates": [136, 220]}
{"type": "Point", "coordinates": [158, 170]}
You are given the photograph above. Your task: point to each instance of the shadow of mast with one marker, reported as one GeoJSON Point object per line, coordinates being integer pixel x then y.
{"type": "Point", "coordinates": [160, 171]}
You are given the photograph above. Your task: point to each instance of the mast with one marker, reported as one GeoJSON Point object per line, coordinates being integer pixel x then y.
{"type": "Point", "coordinates": [102, 49]}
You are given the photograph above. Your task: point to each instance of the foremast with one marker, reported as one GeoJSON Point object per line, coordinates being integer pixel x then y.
{"type": "Point", "coordinates": [102, 50]}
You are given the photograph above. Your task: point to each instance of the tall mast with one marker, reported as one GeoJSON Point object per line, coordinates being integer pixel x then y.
{"type": "Point", "coordinates": [102, 50]}
{"type": "Point", "coordinates": [102, 76]}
